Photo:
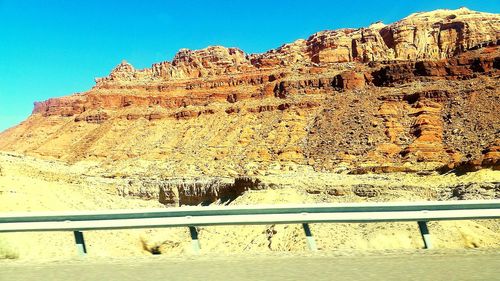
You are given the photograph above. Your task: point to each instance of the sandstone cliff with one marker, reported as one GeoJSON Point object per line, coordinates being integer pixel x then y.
{"type": "Point", "coordinates": [418, 94]}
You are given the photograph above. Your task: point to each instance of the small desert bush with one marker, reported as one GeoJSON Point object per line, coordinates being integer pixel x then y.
{"type": "Point", "coordinates": [7, 252]}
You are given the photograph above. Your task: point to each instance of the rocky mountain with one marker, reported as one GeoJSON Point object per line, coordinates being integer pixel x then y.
{"type": "Point", "coordinates": [420, 94]}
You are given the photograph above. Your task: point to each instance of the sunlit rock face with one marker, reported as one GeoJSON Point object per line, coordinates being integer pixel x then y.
{"type": "Point", "coordinates": [417, 94]}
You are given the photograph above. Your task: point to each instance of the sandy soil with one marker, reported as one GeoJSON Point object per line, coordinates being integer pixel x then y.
{"type": "Point", "coordinates": [28, 184]}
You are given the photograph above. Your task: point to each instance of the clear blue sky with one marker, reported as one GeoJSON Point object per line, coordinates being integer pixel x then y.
{"type": "Point", "coordinates": [54, 48]}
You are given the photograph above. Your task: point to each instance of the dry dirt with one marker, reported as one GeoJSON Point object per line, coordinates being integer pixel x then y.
{"type": "Point", "coordinates": [29, 184]}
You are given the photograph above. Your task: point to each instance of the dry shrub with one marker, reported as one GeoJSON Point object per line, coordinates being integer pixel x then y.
{"type": "Point", "coordinates": [6, 251]}
{"type": "Point", "coordinates": [158, 247]}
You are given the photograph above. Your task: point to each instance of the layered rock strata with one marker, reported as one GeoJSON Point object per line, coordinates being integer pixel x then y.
{"type": "Point", "coordinates": [421, 93]}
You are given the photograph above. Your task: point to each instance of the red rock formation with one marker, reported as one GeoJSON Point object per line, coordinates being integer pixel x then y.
{"type": "Point", "coordinates": [461, 67]}
{"type": "Point", "coordinates": [491, 156]}
{"type": "Point", "coordinates": [97, 118]}
{"type": "Point", "coordinates": [67, 106]}
{"type": "Point", "coordinates": [299, 82]}
{"type": "Point", "coordinates": [349, 80]}
{"type": "Point", "coordinates": [428, 130]}
{"type": "Point", "coordinates": [434, 35]}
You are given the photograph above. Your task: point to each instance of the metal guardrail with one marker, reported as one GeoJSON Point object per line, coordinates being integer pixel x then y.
{"type": "Point", "coordinates": [193, 217]}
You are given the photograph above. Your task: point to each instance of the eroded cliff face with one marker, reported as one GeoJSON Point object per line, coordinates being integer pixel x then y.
{"type": "Point", "coordinates": [418, 94]}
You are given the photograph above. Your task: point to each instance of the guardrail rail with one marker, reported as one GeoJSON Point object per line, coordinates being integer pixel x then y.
{"type": "Point", "coordinates": [192, 217]}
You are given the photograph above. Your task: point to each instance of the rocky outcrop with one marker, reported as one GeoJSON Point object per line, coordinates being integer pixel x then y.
{"type": "Point", "coordinates": [428, 42]}
{"type": "Point", "coordinates": [93, 117]}
{"type": "Point", "coordinates": [432, 35]}
{"type": "Point", "coordinates": [427, 128]}
{"type": "Point", "coordinates": [465, 66]}
{"type": "Point", "coordinates": [460, 67]}
{"type": "Point", "coordinates": [190, 191]}
{"type": "Point", "coordinates": [349, 80]}
{"type": "Point", "coordinates": [456, 125]}
{"type": "Point", "coordinates": [381, 98]}
{"type": "Point", "coordinates": [489, 158]}
{"type": "Point", "coordinates": [472, 191]}
{"type": "Point", "coordinates": [67, 106]}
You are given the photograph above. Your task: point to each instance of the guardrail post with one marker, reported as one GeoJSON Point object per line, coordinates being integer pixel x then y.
{"type": "Point", "coordinates": [194, 239]}
{"type": "Point", "coordinates": [426, 236]}
{"type": "Point", "coordinates": [311, 243]}
{"type": "Point", "coordinates": [80, 243]}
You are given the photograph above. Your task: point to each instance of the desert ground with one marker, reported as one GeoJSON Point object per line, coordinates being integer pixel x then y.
{"type": "Point", "coordinates": [31, 184]}
{"type": "Point", "coordinates": [403, 111]}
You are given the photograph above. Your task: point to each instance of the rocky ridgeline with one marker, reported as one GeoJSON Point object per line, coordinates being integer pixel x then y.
{"type": "Point", "coordinates": [418, 45]}
{"type": "Point", "coordinates": [193, 92]}
{"type": "Point", "coordinates": [422, 36]}
{"type": "Point", "coordinates": [382, 98]}
{"type": "Point", "coordinates": [431, 36]}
